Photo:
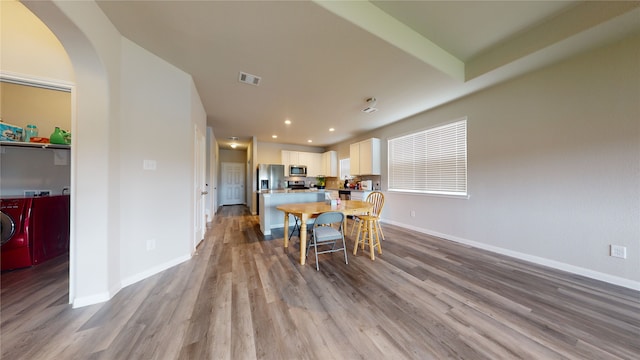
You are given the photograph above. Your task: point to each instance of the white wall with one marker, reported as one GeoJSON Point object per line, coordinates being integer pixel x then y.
{"type": "Point", "coordinates": [34, 168]}
{"type": "Point", "coordinates": [156, 124]}
{"type": "Point", "coordinates": [25, 40]}
{"type": "Point", "coordinates": [554, 167]}
{"type": "Point", "coordinates": [129, 106]}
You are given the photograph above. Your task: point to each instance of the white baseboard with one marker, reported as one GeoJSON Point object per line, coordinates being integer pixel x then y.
{"type": "Point", "coordinates": [106, 296]}
{"type": "Point", "coordinates": [154, 270]}
{"type": "Point", "coordinates": [615, 280]}
{"type": "Point", "coordinates": [91, 300]}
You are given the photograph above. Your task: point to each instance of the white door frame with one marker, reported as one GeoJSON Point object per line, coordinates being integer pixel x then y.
{"type": "Point", "coordinates": [201, 190]}
{"type": "Point", "coordinates": [68, 87]}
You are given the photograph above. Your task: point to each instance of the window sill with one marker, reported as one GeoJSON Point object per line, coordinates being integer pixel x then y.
{"type": "Point", "coordinates": [441, 195]}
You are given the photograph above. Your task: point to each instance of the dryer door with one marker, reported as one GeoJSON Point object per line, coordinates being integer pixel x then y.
{"type": "Point", "coordinates": [7, 227]}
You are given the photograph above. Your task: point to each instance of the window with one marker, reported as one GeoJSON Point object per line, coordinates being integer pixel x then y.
{"type": "Point", "coordinates": [432, 161]}
{"type": "Point", "coordinates": [345, 168]}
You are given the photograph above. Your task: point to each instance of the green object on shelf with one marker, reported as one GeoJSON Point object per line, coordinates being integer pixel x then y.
{"type": "Point", "coordinates": [60, 137]}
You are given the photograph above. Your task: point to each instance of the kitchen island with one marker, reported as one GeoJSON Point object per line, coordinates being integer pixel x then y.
{"type": "Point", "coordinates": [272, 218]}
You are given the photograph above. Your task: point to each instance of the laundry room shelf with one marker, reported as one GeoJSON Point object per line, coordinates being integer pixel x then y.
{"type": "Point", "coordinates": [34, 145]}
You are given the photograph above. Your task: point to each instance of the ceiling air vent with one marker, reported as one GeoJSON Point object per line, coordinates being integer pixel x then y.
{"type": "Point", "coordinates": [371, 106]}
{"type": "Point", "coordinates": [249, 79]}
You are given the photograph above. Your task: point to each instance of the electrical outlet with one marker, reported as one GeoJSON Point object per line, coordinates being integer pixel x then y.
{"type": "Point", "coordinates": [618, 251]}
{"type": "Point", "coordinates": [151, 244]}
{"type": "Point", "coordinates": [413, 213]}
{"type": "Point", "coordinates": [149, 165]}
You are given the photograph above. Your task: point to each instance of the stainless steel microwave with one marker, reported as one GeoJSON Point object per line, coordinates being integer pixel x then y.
{"type": "Point", "coordinates": [297, 170]}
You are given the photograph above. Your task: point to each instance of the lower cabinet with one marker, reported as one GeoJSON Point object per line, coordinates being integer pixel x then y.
{"type": "Point", "coordinates": [360, 195]}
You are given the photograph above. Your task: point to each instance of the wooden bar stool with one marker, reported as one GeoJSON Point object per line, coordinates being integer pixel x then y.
{"type": "Point", "coordinates": [369, 225]}
{"type": "Point", "coordinates": [367, 231]}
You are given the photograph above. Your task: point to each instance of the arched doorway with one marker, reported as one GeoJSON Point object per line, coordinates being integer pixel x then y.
{"type": "Point", "coordinates": [93, 270]}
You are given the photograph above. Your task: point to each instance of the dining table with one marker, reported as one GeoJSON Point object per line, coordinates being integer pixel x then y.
{"type": "Point", "coordinates": [305, 211]}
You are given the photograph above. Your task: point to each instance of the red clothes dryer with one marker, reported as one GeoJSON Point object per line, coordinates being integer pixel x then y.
{"type": "Point", "coordinates": [34, 230]}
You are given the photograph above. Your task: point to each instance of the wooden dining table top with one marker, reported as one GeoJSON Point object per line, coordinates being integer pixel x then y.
{"type": "Point", "coordinates": [347, 207]}
{"type": "Point", "coordinates": [305, 211]}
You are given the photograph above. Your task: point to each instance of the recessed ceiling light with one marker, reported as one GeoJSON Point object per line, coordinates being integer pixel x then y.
{"type": "Point", "coordinates": [274, 136]}
{"type": "Point", "coordinates": [288, 122]}
{"type": "Point", "coordinates": [332, 129]}
{"type": "Point", "coordinates": [233, 146]}
{"type": "Point", "coordinates": [309, 140]}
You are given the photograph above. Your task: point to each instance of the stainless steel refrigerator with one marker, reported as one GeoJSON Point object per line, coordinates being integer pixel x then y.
{"type": "Point", "coordinates": [270, 177]}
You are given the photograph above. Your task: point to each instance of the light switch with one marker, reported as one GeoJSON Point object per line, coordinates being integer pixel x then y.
{"type": "Point", "coordinates": [149, 165]}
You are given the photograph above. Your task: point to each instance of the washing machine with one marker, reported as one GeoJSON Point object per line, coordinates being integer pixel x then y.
{"type": "Point", "coordinates": [15, 250]}
{"type": "Point", "coordinates": [34, 230]}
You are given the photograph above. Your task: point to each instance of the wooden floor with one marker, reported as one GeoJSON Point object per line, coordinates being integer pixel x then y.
{"type": "Point", "coordinates": [244, 297]}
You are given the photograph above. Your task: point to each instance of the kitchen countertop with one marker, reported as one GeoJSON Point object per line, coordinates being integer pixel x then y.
{"type": "Point", "coordinates": [289, 191]}
{"type": "Point", "coordinates": [359, 190]}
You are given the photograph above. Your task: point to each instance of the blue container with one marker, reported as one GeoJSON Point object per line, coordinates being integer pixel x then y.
{"type": "Point", "coordinates": [31, 132]}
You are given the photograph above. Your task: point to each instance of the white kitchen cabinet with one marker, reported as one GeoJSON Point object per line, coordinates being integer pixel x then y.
{"type": "Point", "coordinates": [354, 159]}
{"type": "Point", "coordinates": [360, 195]}
{"type": "Point", "coordinates": [330, 163]}
{"type": "Point", "coordinates": [289, 158]}
{"type": "Point", "coordinates": [365, 157]}
{"type": "Point", "coordinates": [313, 161]}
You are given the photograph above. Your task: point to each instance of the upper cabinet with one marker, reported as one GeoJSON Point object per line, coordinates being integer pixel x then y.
{"type": "Point", "coordinates": [365, 157]}
{"type": "Point", "coordinates": [313, 161]}
{"type": "Point", "coordinates": [289, 158]}
{"type": "Point", "coordinates": [330, 164]}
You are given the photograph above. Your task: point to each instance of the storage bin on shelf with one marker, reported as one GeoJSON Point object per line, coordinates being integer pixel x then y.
{"type": "Point", "coordinates": [10, 132]}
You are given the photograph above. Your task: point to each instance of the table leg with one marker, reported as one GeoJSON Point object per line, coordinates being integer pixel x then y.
{"type": "Point", "coordinates": [344, 225]}
{"type": "Point", "coordinates": [303, 238]}
{"type": "Point", "coordinates": [286, 230]}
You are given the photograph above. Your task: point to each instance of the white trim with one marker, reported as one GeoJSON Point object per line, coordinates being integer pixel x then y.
{"type": "Point", "coordinates": [421, 193]}
{"type": "Point", "coordinates": [154, 270]}
{"type": "Point", "coordinates": [91, 300]}
{"type": "Point", "coordinates": [28, 80]}
{"type": "Point", "coordinates": [106, 296]}
{"type": "Point", "coordinates": [611, 279]}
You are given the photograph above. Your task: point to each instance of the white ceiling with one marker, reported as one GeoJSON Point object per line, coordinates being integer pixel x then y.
{"type": "Point", "coordinates": [319, 61]}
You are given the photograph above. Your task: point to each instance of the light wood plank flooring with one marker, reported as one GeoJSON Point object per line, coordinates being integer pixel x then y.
{"type": "Point", "coordinates": [245, 297]}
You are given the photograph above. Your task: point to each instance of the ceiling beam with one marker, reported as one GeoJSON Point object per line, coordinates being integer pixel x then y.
{"type": "Point", "coordinates": [377, 22]}
{"type": "Point", "coordinates": [565, 25]}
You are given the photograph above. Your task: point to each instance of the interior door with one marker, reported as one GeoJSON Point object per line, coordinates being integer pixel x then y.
{"type": "Point", "coordinates": [233, 183]}
{"type": "Point", "coordinates": [200, 187]}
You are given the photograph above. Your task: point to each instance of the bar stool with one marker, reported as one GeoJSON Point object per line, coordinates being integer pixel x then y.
{"type": "Point", "coordinates": [367, 230]}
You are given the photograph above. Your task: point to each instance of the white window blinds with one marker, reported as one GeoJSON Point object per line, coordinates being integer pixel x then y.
{"type": "Point", "coordinates": [430, 161]}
